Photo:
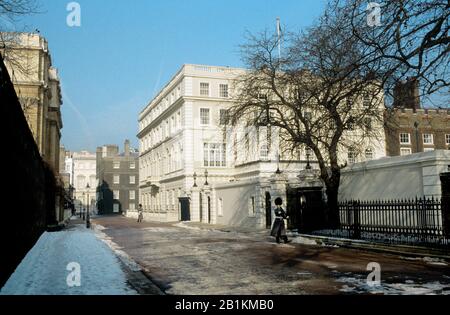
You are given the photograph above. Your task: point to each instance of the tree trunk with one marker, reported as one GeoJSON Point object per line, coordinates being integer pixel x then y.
{"type": "Point", "coordinates": [332, 191]}
{"type": "Point", "coordinates": [333, 220]}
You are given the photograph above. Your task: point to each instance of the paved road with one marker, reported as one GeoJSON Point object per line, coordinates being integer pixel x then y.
{"type": "Point", "coordinates": [182, 259]}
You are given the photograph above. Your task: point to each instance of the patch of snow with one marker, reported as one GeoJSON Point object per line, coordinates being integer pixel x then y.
{"type": "Point", "coordinates": [428, 260]}
{"type": "Point", "coordinates": [356, 284]}
{"type": "Point", "coordinates": [44, 269]}
{"type": "Point", "coordinates": [185, 226]}
{"type": "Point", "coordinates": [304, 241]}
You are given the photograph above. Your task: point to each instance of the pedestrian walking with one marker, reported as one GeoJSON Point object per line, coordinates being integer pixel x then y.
{"type": "Point", "coordinates": [140, 214]}
{"type": "Point", "coordinates": [279, 228]}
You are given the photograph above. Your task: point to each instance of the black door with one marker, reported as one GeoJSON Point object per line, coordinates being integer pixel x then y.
{"type": "Point", "coordinates": [309, 215]}
{"type": "Point", "coordinates": [185, 209]}
{"type": "Point", "coordinates": [268, 211]}
{"type": "Point", "coordinates": [209, 210]}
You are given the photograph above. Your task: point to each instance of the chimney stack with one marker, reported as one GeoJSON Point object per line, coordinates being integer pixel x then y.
{"type": "Point", "coordinates": [406, 94]}
{"type": "Point", "coordinates": [127, 148]}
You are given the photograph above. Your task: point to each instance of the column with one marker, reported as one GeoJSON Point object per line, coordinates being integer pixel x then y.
{"type": "Point", "coordinates": [195, 204]}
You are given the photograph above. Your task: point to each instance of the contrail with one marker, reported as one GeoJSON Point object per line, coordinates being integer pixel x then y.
{"type": "Point", "coordinates": [82, 120]}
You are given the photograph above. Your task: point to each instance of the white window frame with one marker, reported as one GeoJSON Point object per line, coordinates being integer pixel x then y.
{"type": "Point", "coordinates": [132, 179]}
{"type": "Point", "coordinates": [132, 195]}
{"type": "Point", "coordinates": [224, 91]}
{"type": "Point", "coordinates": [409, 138]}
{"type": "Point", "coordinates": [132, 206]}
{"type": "Point", "coordinates": [351, 157]}
{"type": "Point", "coordinates": [214, 155]}
{"type": "Point", "coordinates": [405, 149]}
{"type": "Point", "coordinates": [366, 100]}
{"type": "Point", "coordinates": [430, 138]}
{"type": "Point", "coordinates": [203, 86]}
{"type": "Point", "coordinates": [116, 165]}
{"type": "Point", "coordinates": [369, 156]}
{"type": "Point", "coordinates": [204, 110]}
{"type": "Point", "coordinates": [116, 194]}
{"type": "Point", "coordinates": [132, 165]}
{"type": "Point", "coordinates": [116, 207]}
{"type": "Point", "coordinates": [223, 115]}
{"type": "Point", "coordinates": [116, 181]}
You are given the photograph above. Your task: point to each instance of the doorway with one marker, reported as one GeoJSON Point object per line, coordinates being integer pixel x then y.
{"type": "Point", "coordinates": [185, 206]}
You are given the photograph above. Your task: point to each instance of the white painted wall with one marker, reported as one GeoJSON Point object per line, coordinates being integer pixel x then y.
{"type": "Point", "coordinates": [235, 198]}
{"type": "Point", "coordinates": [411, 176]}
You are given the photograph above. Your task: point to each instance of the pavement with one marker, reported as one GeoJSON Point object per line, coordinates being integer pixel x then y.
{"type": "Point", "coordinates": [195, 259]}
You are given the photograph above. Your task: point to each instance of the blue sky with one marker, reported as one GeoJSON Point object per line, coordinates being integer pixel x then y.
{"type": "Point", "coordinates": [124, 51]}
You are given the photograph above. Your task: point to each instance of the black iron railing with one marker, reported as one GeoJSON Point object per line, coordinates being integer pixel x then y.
{"type": "Point", "coordinates": [413, 222]}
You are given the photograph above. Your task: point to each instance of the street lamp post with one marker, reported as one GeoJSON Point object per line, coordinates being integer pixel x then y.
{"type": "Point", "coordinates": [308, 156]}
{"type": "Point", "coordinates": [195, 179]}
{"type": "Point", "coordinates": [88, 218]}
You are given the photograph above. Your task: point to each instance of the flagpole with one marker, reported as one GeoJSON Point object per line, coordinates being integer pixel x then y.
{"type": "Point", "coordinates": [279, 37]}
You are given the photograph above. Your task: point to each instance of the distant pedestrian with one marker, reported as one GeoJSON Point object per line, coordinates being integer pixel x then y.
{"type": "Point", "coordinates": [279, 228]}
{"type": "Point", "coordinates": [140, 214]}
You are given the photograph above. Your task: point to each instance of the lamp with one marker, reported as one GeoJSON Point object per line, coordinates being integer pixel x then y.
{"type": "Point", "coordinates": [195, 179]}
{"type": "Point", "coordinates": [206, 178]}
{"type": "Point", "coordinates": [88, 219]}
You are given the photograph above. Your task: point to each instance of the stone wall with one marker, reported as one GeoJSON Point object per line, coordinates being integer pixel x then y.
{"type": "Point", "coordinates": [28, 189]}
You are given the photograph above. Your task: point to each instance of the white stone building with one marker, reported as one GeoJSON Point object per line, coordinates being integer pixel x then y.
{"type": "Point", "coordinates": [194, 169]}
{"type": "Point", "coordinates": [84, 168]}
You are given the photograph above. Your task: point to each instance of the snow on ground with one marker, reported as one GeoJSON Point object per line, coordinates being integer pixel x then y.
{"type": "Point", "coordinates": [124, 257]}
{"type": "Point", "coordinates": [356, 284]}
{"type": "Point", "coordinates": [428, 260]}
{"type": "Point", "coordinates": [44, 269]}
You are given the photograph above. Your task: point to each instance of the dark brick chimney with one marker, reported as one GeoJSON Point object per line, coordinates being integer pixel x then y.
{"type": "Point", "coordinates": [406, 94]}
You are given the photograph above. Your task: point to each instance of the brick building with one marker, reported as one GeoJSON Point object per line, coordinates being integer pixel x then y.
{"type": "Point", "coordinates": [413, 129]}
{"type": "Point", "coordinates": [118, 179]}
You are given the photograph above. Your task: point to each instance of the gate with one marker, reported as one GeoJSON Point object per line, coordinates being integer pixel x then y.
{"type": "Point", "coordinates": [305, 208]}
{"type": "Point", "coordinates": [268, 211]}
{"type": "Point", "coordinates": [185, 207]}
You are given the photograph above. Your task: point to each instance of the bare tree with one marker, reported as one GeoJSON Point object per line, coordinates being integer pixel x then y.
{"type": "Point", "coordinates": [314, 94]}
{"type": "Point", "coordinates": [10, 12]}
{"type": "Point", "coordinates": [412, 39]}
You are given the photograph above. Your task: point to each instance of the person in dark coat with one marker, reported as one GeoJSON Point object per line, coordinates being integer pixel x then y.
{"type": "Point", "coordinates": [140, 214]}
{"type": "Point", "coordinates": [279, 229]}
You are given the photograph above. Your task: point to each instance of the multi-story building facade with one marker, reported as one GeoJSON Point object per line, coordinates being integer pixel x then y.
{"type": "Point", "coordinates": [194, 167]}
{"type": "Point", "coordinates": [37, 85]}
{"type": "Point", "coordinates": [412, 131]}
{"type": "Point", "coordinates": [84, 179]}
{"type": "Point", "coordinates": [118, 179]}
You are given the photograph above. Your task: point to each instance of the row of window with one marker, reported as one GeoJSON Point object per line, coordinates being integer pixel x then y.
{"type": "Point", "coordinates": [205, 90]}
{"type": "Point", "coordinates": [428, 138]}
{"type": "Point", "coordinates": [156, 163]}
{"type": "Point", "coordinates": [162, 106]}
{"type": "Point", "coordinates": [162, 132]}
{"type": "Point", "coordinates": [131, 195]}
{"type": "Point", "coordinates": [155, 201]}
{"type": "Point", "coordinates": [116, 207]}
{"type": "Point", "coordinates": [116, 165]}
{"type": "Point", "coordinates": [205, 116]}
{"type": "Point", "coordinates": [352, 155]}
{"type": "Point", "coordinates": [116, 179]}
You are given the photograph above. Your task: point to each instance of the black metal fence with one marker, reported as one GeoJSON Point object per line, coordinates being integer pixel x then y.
{"type": "Point", "coordinates": [413, 222]}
